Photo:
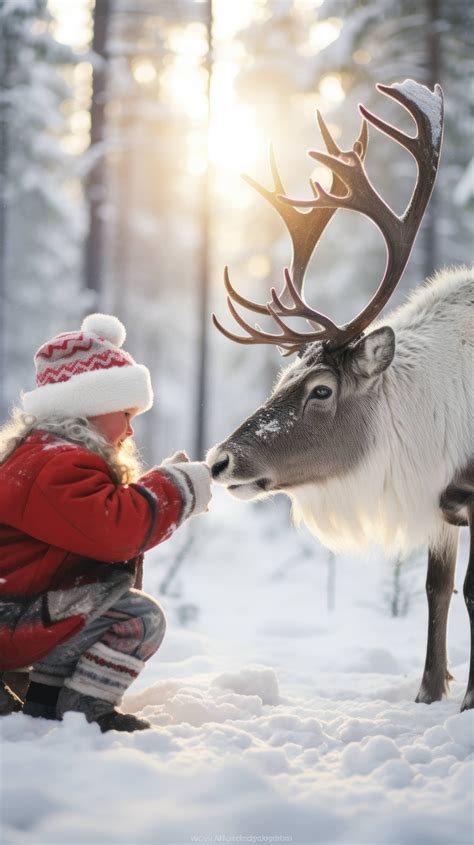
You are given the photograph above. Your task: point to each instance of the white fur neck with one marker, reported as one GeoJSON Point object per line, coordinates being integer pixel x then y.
{"type": "Point", "coordinates": [365, 509]}
{"type": "Point", "coordinates": [421, 432]}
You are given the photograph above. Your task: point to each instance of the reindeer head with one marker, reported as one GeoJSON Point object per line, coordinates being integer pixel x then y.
{"type": "Point", "coordinates": [321, 418]}
{"type": "Point", "coordinates": [316, 425]}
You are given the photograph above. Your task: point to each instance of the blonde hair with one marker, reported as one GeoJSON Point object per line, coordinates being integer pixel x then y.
{"type": "Point", "coordinates": [123, 461]}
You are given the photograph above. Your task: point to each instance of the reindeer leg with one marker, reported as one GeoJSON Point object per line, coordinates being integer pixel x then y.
{"type": "Point", "coordinates": [439, 589]}
{"type": "Point", "coordinates": [468, 701]}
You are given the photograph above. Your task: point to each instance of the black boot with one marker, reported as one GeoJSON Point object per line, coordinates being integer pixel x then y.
{"type": "Point", "coordinates": [96, 710]}
{"type": "Point", "coordinates": [41, 701]}
{"type": "Point", "coordinates": [9, 701]}
{"type": "Point", "coordinates": [117, 721]}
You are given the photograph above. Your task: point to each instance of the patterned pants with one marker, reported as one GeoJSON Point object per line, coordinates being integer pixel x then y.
{"type": "Point", "coordinates": [108, 654]}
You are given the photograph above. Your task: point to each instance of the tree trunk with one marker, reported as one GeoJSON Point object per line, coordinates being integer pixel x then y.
{"type": "Point", "coordinates": [433, 57]}
{"type": "Point", "coordinates": [204, 265]}
{"type": "Point", "coordinates": [95, 183]}
{"type": "Point", "coordinates": [5, 70]}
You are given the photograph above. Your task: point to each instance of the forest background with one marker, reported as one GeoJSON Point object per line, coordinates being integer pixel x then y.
{"type": "Point", "coordinates": [124, 128]}
{"type": "Point", "coordinates": [283, 696]}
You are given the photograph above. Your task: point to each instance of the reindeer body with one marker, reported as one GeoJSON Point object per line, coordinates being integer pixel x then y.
{"type": "Point", "coordinates": [418, 437]}
{"type": "Point", "coordinates": [370, 430]}
{"type": "Point", "coordinates": [391, 462]}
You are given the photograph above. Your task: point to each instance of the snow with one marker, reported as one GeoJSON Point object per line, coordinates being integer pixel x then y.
{"type": "Point", "coordinates": [275, 719]}
{"type": "Point", "coordinates": [268, 424]}
{"type": "Point", "coordinates": [429, 102]}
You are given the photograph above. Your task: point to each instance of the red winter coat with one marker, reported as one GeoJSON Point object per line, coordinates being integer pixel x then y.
{"type": "Point", "coordinates": [64, 524]}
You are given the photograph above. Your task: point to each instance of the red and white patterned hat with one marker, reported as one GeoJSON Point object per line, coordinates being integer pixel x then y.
{"type": "Point", "coordinates": [86, 373]}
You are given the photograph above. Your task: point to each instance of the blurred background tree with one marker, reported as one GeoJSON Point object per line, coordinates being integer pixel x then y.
{"type": "Point", "coordinates": [120, 162]}
{"type": "Point", "coordinates": [41, 214]}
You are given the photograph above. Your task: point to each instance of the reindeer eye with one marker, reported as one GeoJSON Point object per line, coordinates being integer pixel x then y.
{"type": "Point", "coordinates": [322, 391]}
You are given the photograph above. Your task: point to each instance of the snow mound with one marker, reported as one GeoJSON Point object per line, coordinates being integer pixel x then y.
{"type": "Point", "coordinates": [253, 680]}
{"type": "Point", "coordinates": [221, 763]}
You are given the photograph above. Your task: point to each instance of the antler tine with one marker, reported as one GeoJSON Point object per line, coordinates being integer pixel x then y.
{"type": "Point", "coordinates": [230, 335]}
{"type": "Point", "coordinates": [300, 308]}
{"type": "Point", "coordinates": [360, 146]}
{"type": "Point", "coordinates": [286, 348]}
{"type": "Point", "coordinates": [278, 184]}
{"type": "Point", "coordinates": [331, 145]}
{"type": "Point", "coordinates": [333, 148]}
{"type": "Point", "coordinates": [290, 340]}
{"type": "Point", "coordinates": [257, 335]}
{"type": "Point", "coordinates": [421, 117]}
{"type": "Point", "coordinates": [246, 303]}
{"type": "Point", "coordinates": [427, 110]}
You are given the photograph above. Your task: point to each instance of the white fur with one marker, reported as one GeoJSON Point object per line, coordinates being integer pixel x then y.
{"type": "Point", "coordinates": [94, 393]}
{"type": "Point", "coordinates": [106, 326]}
{"type": "Point", "coordinates": [424, 430]}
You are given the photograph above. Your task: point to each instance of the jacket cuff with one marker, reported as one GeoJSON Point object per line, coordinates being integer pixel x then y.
{"type": "Point", "coordinates": [193, 481]}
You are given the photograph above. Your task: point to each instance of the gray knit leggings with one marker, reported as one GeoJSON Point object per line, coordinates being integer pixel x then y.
{"type": "Point", "coordinates": [106, 656]}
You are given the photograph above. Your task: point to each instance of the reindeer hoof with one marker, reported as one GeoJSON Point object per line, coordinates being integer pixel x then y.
{"type": "Point", "coordinates": [426, 697]}
{"type": "Point", "coordinates": [433, 690]}
{"type": "Point", "coordinates": [468, 700]}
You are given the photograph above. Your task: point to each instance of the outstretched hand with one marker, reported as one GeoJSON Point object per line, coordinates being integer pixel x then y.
{"type": "Point", "coordinates": [194, 473]}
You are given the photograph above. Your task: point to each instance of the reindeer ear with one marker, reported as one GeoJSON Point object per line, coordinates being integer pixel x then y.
{"type": "Point", "coordinates": [374, 352]}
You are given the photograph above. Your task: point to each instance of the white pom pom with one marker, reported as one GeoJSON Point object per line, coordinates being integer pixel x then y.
{"type": "Point", "coordinates": [106, 326]}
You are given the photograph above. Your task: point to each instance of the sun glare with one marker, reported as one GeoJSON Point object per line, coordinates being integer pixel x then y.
{"type": "Point", "coordinates": [183, 86]}
{"type": "Point", "coordinates": [144, 71]}
{"type": "Point", "coordinates": [362, 57]}
{"type": "Point", "coordinates": [331, 88]}
{"type": "Point", "coordinates": [72, 22]}
{"type": "Point", "coordinates": [230, 16]}
{"type": "Point", "coordinates": [233, 135]}
{"type": "Point", "coordinates": [189, 40]}
{"type": "Point", "coordinates": [233, 138]}
{"type": "Point", "coordinates": [234, 142]}
{"type": "Point", "coordinates": [324, 33]}
{"type": "Point", "coordinates": [259, 266]}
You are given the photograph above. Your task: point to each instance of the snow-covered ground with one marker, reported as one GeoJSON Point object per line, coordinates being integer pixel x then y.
{"type": "Point", "coordinates": [276, 718]}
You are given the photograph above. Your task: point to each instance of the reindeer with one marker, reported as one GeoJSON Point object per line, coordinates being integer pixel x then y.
{"type": "Point", "coordinates": [368, 431]}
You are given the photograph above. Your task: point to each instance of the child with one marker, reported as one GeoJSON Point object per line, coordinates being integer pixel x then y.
{"type": "Point", "coordinates": [75, 519]}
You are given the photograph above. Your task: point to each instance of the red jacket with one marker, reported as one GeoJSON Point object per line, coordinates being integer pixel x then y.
{"type": "Point", "coordinates": [62, 517]}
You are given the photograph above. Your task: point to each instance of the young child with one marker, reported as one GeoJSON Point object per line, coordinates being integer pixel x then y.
{"type": "Point", "coordinates": [76, 516]}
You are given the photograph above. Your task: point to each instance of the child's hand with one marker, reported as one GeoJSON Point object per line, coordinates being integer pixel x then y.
{"type": "Point", "coordinates": [198, 476]}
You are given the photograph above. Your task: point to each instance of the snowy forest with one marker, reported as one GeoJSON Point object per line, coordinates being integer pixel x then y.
{"type": "Point", "coordinates": [283, 695]}
{"type": "Point", "coordinates": [124, 131]}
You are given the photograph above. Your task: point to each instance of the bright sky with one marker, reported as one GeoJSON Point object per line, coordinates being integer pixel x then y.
{"type": "Point", "coordinates": [234, 138]}
{"type": "Point", "coordinates": [72, 21]}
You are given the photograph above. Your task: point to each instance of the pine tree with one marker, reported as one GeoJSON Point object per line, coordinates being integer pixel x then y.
{"type": "Point", "coordinates": [42, 221]}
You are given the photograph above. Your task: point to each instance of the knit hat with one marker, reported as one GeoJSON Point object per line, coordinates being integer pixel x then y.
{"type": "Point", "coordinates": [86, 373]}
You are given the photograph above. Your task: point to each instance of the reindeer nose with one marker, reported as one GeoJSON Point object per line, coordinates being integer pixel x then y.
{"type": "Point", "coordinates": [219, 466]}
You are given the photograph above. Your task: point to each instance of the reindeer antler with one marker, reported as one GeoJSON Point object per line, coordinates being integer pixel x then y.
{"type": "Point", "coordinates": [426, 107]}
